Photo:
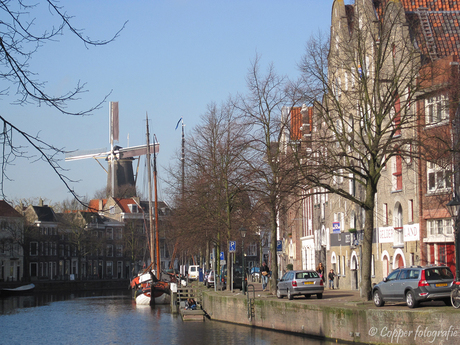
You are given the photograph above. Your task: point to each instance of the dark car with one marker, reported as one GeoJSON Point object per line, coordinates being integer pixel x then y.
{"type": "Point", "coordinates": [302, 282]}
{"type": "Point", "coordinates": [237, 277]}
{"type": "Point", "coordinates": [414, 285]}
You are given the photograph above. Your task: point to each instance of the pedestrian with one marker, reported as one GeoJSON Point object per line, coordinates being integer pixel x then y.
{"type": "Point", "coordinates": [265, 271]}
{"type": "Point", "coordinates": [320, 270]}
{"type": "Point", "coordinates": [331, 276]}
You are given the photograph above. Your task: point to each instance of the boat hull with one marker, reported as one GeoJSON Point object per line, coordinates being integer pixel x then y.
{"type": "Point", "coordinates": [21, 290]}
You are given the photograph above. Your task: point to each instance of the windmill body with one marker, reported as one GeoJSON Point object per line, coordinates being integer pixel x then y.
{"type": "Point", "coordinates": [120, 176]}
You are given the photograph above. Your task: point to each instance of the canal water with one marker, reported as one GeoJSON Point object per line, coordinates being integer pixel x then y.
{"type": "Point", "coordinates": [113, 318]}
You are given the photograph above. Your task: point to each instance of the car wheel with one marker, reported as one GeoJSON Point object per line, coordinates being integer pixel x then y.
{"type": "Point", "coordinates": [455, 298]}
{"type": "Point", "coordinates": [278, 293]}
{"type": "Point", "coordinates": [289, 295]}
{"type": "Point", "coordinates": [378, 300]}
{"type": "Point", "coordinates": [319, 296]}
{"type": "Point", "coordinates": [410, 299]}
{"type": "Point", "coordinates": [307, 296]}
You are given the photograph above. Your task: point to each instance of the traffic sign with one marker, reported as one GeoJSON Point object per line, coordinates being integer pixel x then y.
{"type": "Point", "coordinates": [232, 246]}
{"type": "Point", "coordinates": [222, 256]}
{"type": "Point", "coordinates": [279, 245]}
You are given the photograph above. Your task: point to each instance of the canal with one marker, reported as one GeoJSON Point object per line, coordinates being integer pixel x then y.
{"type": "Point", "coordinates": [113, 318]}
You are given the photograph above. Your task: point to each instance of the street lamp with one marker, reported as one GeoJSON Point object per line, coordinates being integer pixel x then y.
{"type": "Point", "coordinates": [243, 235]}
{"type": "Point", "coordinates": [454, 206]}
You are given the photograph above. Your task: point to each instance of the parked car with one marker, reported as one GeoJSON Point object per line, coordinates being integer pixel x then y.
{"type": "Point", "coordinates": [209, 281]}
{"type": "Point", "coordinates": [255, 274]}
{"type": "Point", "coordinates": [414, 285]}
{"type": "Point", "coordinates": [237, 277]}
{"type": "Point", "coordinates": [302, 282]}
{"type": "Point", "coordinates": [193, 272]}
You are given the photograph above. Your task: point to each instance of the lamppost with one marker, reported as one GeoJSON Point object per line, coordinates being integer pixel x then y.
{"type": "Point", "coordinates": [243, 235]}
{"type": "Point", "coordinates": [454, 206]}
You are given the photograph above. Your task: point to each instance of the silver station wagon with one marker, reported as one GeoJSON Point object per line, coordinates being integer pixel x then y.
{"type": "Point", "coordinates": [414, 285]}
{"type": "Point", "coordinates": [305, 283]}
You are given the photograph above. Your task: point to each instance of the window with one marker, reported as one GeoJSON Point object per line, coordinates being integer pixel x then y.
{"type": "Point", "coordinates": [397, 173]}
{"type": "Point", "coordinates": [411, 210]}
{"type": "Point", "coordinates": [352, 186]}
{"type": "Point", "coordinates": [119, 250]}
{"type": "Point", "coordinates": [436, 109]}
{"type": "Point", "coordinates": [352, 220]}
{"type": "Point", "coordinates": [110, 233]}
{"type": "Point", "coordinates": [385, 214]}
{"type": "Point", "coordinates": [109, 250]}
{"type": "Point", "coordinates": [109, 265]}
{"type": "Point", "coordinates": [33, 248]}
{"type": "Point", "coordinates": [439, 227]}
{"type": "Point", "coordinates": [398, 225]}
{"type": "Point", "coordinates": [397, 116]}
{"type": "Point", "coordinates": [133, 208]}
{"type": "Point", "coordinates": [118, 234]}
{"type": "Point", "coordinates": [438, 178]}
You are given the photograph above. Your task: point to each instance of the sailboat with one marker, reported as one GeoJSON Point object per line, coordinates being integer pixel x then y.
{"type": "Point", "coordinates": [148, 289]}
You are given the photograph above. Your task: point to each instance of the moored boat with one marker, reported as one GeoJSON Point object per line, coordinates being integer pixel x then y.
{"type": "Point", "coordinates": [24, 289]}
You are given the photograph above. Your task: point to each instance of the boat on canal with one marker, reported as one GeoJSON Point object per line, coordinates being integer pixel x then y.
{"type": "Point", "coordinates": [20, 290]}
{"type": "Point", "coordinates": [147, 288]}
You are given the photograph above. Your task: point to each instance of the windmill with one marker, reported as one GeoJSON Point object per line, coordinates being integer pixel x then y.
{"type": "Point", "coordinates": [120, 160]}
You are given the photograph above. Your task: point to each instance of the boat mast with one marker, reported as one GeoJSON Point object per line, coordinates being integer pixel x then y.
{"type": "Point", "coordinates": [157, 232]}
{"type": "Point", "coordinates": [152, 253]}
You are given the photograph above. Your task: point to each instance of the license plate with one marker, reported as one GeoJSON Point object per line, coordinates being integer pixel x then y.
{"type": "Point", "coordinates": [441, 285]}
{"type": "Point", "coordinates": [307, 283]}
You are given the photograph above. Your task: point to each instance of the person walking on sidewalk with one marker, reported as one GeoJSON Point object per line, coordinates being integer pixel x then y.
{"type": "Point", "coordinates": [331, 276]}
{"type": "Point", "coordinates": [265, 271]}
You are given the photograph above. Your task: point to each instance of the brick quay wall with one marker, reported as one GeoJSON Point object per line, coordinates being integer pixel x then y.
{"type": "Point", "coordinates": [339, 316]}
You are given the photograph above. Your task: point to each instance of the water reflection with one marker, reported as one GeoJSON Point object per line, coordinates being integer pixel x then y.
{"type": "Point", "coordinates": [114, 318]}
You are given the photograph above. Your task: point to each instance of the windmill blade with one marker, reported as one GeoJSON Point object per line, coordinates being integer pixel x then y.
{"type": "Point", "coordinates": [137, 150]}
{"type": "Point", "coordinates": [83, 154]}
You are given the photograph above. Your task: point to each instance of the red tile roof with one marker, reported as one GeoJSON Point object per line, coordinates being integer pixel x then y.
{"type": "Point", "coordinates": [431, 5]}
{"type": "Point", "coordinates": [444, 20]}
{"type": "Point", "coordinates": [6, 210]}
{"type": "Point", "coordinates": [296, 123]}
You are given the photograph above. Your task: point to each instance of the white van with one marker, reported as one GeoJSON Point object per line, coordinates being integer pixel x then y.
{"type": "Point", "coordinates": [193, 272]}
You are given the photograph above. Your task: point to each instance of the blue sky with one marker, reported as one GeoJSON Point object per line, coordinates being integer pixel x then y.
{"type": "Point", "coordinates": [172, 59]}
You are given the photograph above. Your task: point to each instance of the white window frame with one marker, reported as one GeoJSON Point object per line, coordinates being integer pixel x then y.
{"type": "Point", "coordinates": [437, 227]}
{"type": "Point", "coordinates": [436, 110]}
{"type": "Point", "coordinates": [438, 178]}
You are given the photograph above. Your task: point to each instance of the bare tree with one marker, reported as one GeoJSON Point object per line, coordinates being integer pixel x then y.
{"type": "Point", "coordinates": [271, 175]}
{"type": "Point", "coordinates": [214, 179]}
{"type": "Point", "coordinates": [20, 40]}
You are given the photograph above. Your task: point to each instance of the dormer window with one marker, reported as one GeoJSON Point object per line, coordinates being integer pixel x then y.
{"type": "Point", "coordinates": [133, 208]}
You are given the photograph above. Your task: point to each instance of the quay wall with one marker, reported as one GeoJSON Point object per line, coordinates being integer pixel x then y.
{"type": "Point", "coordinates": [357, 322]}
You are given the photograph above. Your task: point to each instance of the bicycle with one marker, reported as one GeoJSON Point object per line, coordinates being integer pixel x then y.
{"type": "Point", "coordinates": [455, 295]}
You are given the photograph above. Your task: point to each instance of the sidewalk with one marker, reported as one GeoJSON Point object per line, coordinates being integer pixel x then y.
{"type": "Point", "coordinates": [337, 296]}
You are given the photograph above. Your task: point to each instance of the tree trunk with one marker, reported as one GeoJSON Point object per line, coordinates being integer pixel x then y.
{"type": "Point", "coordinates": [366, 259]}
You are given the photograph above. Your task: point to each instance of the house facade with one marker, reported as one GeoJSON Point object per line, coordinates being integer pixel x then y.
{"type": "Point", "coordinates": [373, 44]}
{"type": "Point", "coordinates": [11, 243]}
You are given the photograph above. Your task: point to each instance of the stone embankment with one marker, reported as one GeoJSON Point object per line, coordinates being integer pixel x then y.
{"type": "Point", "coordinates": [339, 316]}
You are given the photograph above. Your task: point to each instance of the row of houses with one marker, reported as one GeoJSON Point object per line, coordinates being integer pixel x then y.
{"type": "Point", "coordinates": [412, 225]}
{"type": "Point", "coordinates": [106, 241]}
